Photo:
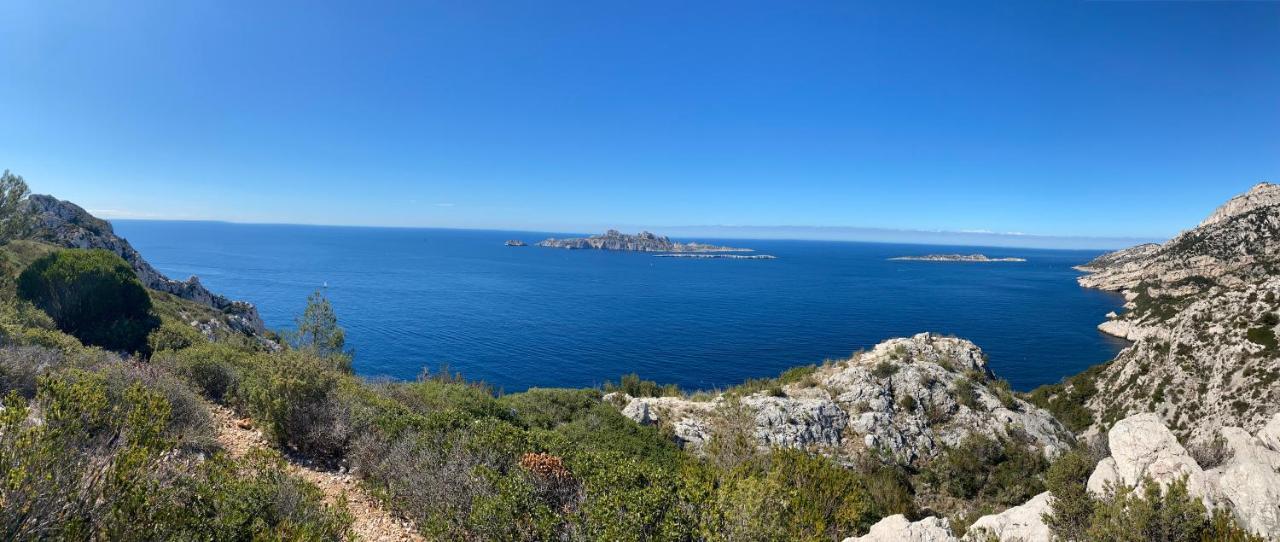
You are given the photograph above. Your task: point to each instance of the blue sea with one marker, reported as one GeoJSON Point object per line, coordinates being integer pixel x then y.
{"type": "Point", "coordinates": [535, 317]}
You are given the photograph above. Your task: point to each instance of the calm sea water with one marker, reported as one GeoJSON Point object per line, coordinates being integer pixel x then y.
{"type": "Point", "coordinates": [526, 317]}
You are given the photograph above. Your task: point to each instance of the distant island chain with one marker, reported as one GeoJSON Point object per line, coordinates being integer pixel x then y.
{"type": "Point", "coordinates": [967, 258]}
{"type": "Point", "coordinates": [649, 242]}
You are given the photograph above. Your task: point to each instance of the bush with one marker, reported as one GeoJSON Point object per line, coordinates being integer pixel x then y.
{"type": "Point", "coordinates": [1072, 508]}
{"type": "Point", "coordinates": [173, 336]}
{"type": "Point", "coordinates": [994, 470]}
{"type": "Point", "coordinates": [214, 369]}
{"type": "Point", "coordinates": [1170, 515]}
{"type": "Point", "coordinates": [634, 386]}
{"type": "Point", "coordinates": [884, 369]}
{"type": "Point", "coordinates": [295, 395]}
{"type": "Point", "coordinates": [92, 295]}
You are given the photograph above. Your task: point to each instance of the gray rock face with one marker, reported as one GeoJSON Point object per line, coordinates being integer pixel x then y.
{"type": "Point", "coordinates": [1143, 448]}
{"type": "Point", "coordinates": [1261, 195]}
{"type": "Point", "coordinates": [641, 242]}
{"type": "Point", "coordinates": [896, 528]}
{"type": "Point", "coordinates": [902, 397]}
{"type": "Point", "coordinates": [65, 224]}
{"type": "Point", "coordinates": [1202, 310]}
{"type": "Point", "coordinates": [1023, 523]}
{"type": "Point", "coordinates": [1249, 483]}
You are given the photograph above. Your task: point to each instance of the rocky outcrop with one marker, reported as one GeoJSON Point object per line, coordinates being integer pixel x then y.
{"type": "Point", "coordinates": [1261, 195]}
{"type": "Point", "coordinates": [641, 242]}
{"type": "Point", "coordinates": [1143, 450]}
{"type": "Point", "coordinates": [65, 224]}
{"type": "Point", "coordinates": [897, 528]}
{"type": "Point", "coordinates": [1249, 482]}
{"type": "Point", "coordinates": [1203, 311]}
{"type": "Point", "coordinates": [969, 258]}
{"type": "Point", "coordinates": [1023, 523]}
{"type": "Point", "coordinates": [909, 397]}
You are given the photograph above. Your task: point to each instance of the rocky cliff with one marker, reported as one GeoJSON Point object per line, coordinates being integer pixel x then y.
{"type": "Point", "coordinates": [641, 242]}
{"type": "Point", "coordinates": [1202, 310]}
{"type": "Point", "coordinates": [909, 397]}
{"type": "Point", "coordinates": [65, 224]}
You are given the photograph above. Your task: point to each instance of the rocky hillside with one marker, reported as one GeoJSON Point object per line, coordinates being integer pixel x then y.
{"type": "Point", "coordinates": [641, 242]}
{"type": "Point", "coordinates": [65, 224]}
{"type": "Point", "coordinates": [1202, 312]}
{"type": "Point", "coordinates": [1143, 450]}
{"type": "Point", "coordinates": [909, 397]}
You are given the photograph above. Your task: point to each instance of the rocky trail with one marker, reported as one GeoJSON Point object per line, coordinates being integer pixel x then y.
{"type": "Point", "coordinates": [371, 520]}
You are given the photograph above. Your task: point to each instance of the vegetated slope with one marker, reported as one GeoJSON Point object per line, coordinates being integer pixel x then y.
{"type": "Point", "coordinates": [1202, 310]}
{"type": "Point", "coordinates": [65, 224]}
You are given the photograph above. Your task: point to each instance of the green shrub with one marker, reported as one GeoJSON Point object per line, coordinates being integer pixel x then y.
{"type": "Point", "coordinates": [173, 336]}
{"type": "Point", "coordinates": [634, 386]}
{"type": "Point", "coordinates": [884, 369]}
{"type": "Point", "coordinates": [214, 369]}
{"type": "Point", "coordinates": [1072, 508]}
{"type": "Point", "coordinates": [92, 295]}
{"type": "Point", "coordinates": [1264, 336]}
{"type": "Point", "coordinates": [965, 393]}
{"type": "Point", "coordinates": [295, 394]}
{"type": "Point", "coordinates": [548, 408]}
{"type": "Point", "coordinates": [994, 470]}
{"type": "Point", "coordinates": [1170, 515]}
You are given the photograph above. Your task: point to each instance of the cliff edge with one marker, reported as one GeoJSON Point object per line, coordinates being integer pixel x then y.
{"type": "Point", "coordinates": [66, 224]}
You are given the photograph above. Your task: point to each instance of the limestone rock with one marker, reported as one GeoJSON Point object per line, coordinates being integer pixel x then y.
{"type": "Point", "coordinates": [1249, 483]}
{"type": "Point", "coordinates": [1104, 475]}
{"type": "Point", "coordinates": [900, 397]}
{"type": "Point", "coordinates": [1142, 447]}
{"type": "Point", "coordinates": [1270, 434]}
{"type": "Point", "coordinates": [1202, 312]}
{"type": "Point", "coordinates": [896, 528]}
{"type": "Point", "coordinates": [641, 242]}
{"type": "Point", "coordinates": [1023, 523]}
{"type": "Point", "coordinates": [1261, 195]}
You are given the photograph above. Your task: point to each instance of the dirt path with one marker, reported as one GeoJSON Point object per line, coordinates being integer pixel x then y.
{"type": "Point", "coordinates": [372, 521]}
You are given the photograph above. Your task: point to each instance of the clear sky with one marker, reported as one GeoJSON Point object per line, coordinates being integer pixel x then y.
{"type": "Point", "coordinates": [1096, 118]}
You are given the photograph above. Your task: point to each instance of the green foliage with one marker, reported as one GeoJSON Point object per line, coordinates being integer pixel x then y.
{"type": "Point", "coordinates": [295, 394]}
{"type": "Point", "coordinates": [991, 470]}
{"type": "Point", "coordinates": [15, 216]}
{"type": "Point", "coordinates": [884, 369]}
{"type": "Point", "coordinates": [965, 393]}
{"type": "Point", "coordinates": [92, 295]}
{"type": "Point", "coordinates": [101, 467]}
{"type": "Point", "coordinates": [1170, 515]}
{"type": "Point", "coordinates": [634, 386]}
{"type": "Point", "coordinates": [173, 336]}
{"type": "Point", "coordinates": [1066, 400]}
{"type": "Point", "coordinates": [1071, 510]}
{"type": "Point", "coordinates": [1265, 336]}
{"type": "Point", "coordinates": [791, 495]}
{"type": "Point", "coordinates": [318, 331]}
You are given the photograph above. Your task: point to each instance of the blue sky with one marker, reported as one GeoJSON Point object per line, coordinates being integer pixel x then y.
{"type": "Point", "coordinates": [1098, 119]}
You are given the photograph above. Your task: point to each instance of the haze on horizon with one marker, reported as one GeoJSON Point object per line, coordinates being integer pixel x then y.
{"type": "Point", "coordinates": [1067, 123]}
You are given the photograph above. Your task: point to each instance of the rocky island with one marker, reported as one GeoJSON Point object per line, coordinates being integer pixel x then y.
{"type": "Point", "coordinates": [718, 256]}
{"type": "Point", "coordinates": [515, 243]}
{"type": "Point", "coordinates": [970, 258]}
{"type": "Point", "coordinates": [640, 242]}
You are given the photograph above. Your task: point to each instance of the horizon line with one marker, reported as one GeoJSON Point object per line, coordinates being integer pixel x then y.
{"type": "Point", "coordinates": [779, 233]}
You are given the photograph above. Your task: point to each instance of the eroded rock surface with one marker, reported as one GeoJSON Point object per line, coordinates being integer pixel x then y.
{"type": "Point", "coordinates": [1203, 310]}
{"type": "Point", "coordinates": [910, 397]}
{"type": "Point", "coordinates": [897, 528]}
